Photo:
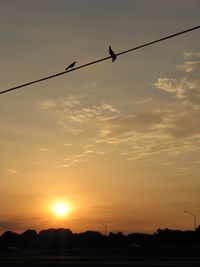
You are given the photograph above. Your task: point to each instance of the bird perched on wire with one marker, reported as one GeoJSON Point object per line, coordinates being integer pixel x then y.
{"type": "Point", "coordinates": [112, 53]}
{"type": "Point", "coordinates": [71, 66]}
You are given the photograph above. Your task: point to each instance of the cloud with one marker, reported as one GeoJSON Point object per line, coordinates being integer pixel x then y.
{"type": "Point", "coordinates": [68, 144]}
{"type": "Point", "coordinates": [187, 86]}
{"type": "Point", "coordinates": [48, 104]}
{"type": "Point", "coordinates": [11, 171]}
{"type": "Point", "coordinates": [74, 159]}
{"type": "Point", "coordinates": [184, 122]}
{"type": "Point", "coordinates": [75, 114]}
{"type": "Point", "coordinates": [44, 149]}
{"type": "Point", "coordinates": [189, 66]}
{"type": "Point", "coordinates": [170, 85]}
{"type": "Point", "coordinates": [101, 127]}
{"type": "Point", "coordinates": [69, 102]}
{"type": "Point", "coordinates": [137, 122]}
{"type": "Point", "coordinates": [187, 54]}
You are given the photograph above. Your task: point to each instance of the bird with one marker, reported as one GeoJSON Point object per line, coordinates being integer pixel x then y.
{"type": "Point", "coordinates": [71, 66]}
{"type": "Point", "coordinates": [112, 53]}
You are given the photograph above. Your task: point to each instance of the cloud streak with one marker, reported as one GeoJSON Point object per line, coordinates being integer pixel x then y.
{"type": "Point", "coordinates": [102, 127]}
{"type": "Point", "coordinates": [187, 86]}
{"type": "Point", "coordinates": [11, 171]}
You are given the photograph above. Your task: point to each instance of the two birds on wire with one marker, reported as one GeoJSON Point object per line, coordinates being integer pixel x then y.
{"type": "Point", "coordinates": [111, 52]}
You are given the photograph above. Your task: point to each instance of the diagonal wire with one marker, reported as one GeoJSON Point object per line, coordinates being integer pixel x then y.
{"type": "Point", "coordinates": [99, 60]}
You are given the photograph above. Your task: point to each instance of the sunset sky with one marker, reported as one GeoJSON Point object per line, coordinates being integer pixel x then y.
{"type": "Point", "coordinates": [118, 142]}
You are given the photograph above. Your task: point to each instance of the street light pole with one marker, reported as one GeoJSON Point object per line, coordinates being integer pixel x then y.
{"type": "Point", "coordinates": [195, 218]}
{"type": "Point", "coordinates": [105, 227]}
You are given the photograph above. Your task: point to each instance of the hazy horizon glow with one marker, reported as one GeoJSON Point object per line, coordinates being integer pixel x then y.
{"type": "Point", "coordinates": [119, 142]}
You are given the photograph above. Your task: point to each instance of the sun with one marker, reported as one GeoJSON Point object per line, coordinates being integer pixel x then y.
{"type": "Point", "coordinates": [61, 209]}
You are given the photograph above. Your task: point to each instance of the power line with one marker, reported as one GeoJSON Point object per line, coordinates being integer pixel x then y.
{"type": "Point", "coordinates": [99, 60]}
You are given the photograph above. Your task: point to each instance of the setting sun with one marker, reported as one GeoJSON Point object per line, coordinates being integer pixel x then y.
{"type": "Point", "coordinates": [61, 209]}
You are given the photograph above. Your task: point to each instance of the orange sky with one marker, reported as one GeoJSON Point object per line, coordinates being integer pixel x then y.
{"type": "Point", "coordinates": [118, 141]}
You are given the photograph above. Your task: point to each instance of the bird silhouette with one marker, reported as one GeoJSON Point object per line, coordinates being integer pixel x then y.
{"type": "Point", "coordinates": [112, 53]}
{"type": "Point", "coordinates": [71, 66]}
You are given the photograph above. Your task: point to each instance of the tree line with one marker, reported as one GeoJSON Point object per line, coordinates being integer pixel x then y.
{"type": "Point", "coordinates": [66, 239]}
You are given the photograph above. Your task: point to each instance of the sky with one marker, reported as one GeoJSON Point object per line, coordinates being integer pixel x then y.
{"type": "Point", "coordinates": [118, 142]}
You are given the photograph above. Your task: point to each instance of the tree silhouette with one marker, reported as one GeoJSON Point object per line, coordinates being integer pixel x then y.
{"type": "Point", "coordinates": [64, 239]}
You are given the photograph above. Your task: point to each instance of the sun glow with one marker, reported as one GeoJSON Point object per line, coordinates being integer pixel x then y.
{"type": "Point", "coordinates": [61, 209]}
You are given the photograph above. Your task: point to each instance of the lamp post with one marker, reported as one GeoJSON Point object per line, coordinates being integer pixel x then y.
{"type": "Point", "coordinates": [105, 227]}
{"type": "Point", "coordinates": [195, 218]}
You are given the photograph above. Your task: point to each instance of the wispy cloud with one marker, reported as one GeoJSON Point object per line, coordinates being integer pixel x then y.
{"type": "Point", "coordinates": [44, 149]}
{"type": "Point", "coordinates": [187, 54]}
{"type": "Point", "coordinates": [69, 102]}
{"type": "Point", "coordinates": [74, 113]}
{"type": "Point", "coordinates": [189, 66]}
{"type": "Point", "coordinates": [48, 104]}
{"type": "Point", "coordinates": [11, 171]}
{"type": "Point", "coordinates": [102, 127]}
{"type": "Point", "coordinates": [184, 116]}
{"type": "Point", "coordinates": [187, 86]}
{"type": "Point", "coordinates": [171, 85]}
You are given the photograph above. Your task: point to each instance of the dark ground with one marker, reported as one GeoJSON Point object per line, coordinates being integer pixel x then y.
{"type": "Point", "coordinates": [141, 257]}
